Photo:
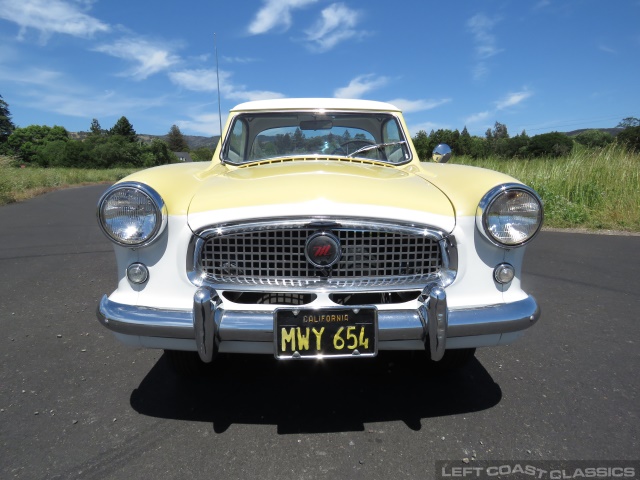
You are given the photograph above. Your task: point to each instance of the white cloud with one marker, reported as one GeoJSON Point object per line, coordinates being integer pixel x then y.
{"type": "Point", "coordinates": [542, 4]}
{"type": "Point", "coordinates": [150, 58]}
{"type": "Point", "coordinates": [79, 102]}
{"type": "Point", "coordinates": [509, 100]}
{"type": "Point", "coordinates": [51, 16]}
{"type": "Point", "coordinates": [206, 123]}
{"type": "Point", "coordinates": [242, 95]}
{"type": "Point", "coordinates": [477, 117]}
{"type": "Point", "coordinates": [336, 25]}
{"type": "Point", "coordinates": [481, 27]}
{"type": "Point", "coordinates": [480, 70]}
{"type": "Point", "coordinates": [606, 49]}
{"type": "Point", "coordinates": [201, 80]}
{"type": "Point", "coordinates": [205, 80]}
{"type": "Point", "coordinates": [513, 99]}
{"type": "Point", "coordinates": [408, 106]}
{"type": "Point", "coordinates": [31, 76]}
{"type": "Point", "coordinates": [239, 59]}
{"type": "Point", "coordinates": [275, 13]}
{"type": "Point", "coordinates": [360, 85]}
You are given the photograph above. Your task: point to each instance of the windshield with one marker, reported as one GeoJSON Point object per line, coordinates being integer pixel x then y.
{"type": "Point", "coordinates": [260, 136]}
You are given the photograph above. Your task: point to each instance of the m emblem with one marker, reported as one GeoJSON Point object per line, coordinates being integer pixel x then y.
{"type": "Point", "coordinates": [322, 250]}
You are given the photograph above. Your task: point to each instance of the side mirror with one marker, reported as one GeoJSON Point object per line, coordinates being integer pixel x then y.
{"type": "Point", "coordinates": [442, 153]}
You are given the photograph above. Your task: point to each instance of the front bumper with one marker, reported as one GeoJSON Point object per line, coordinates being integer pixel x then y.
{"type": "Point", "coordinates": [210, 328]}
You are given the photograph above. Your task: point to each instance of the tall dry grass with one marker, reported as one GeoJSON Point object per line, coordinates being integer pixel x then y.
{"type": "Point", "coordinates": [18, 184]}
{"type": "Point", "coordinates": [592, 188]}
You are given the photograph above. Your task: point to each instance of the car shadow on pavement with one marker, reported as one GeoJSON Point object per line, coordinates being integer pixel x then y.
{"type": "Point", "coordinates": [314, 397]}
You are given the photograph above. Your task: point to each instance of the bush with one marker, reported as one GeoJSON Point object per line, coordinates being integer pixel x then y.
{"type": "Point", "coordinates": [25, 143]}
{"type": "Point", "coordinates": [552, 144]}
{"type": "Point", "coordinates": [630, 137]}
{"type": "Point", "coordinates": [202, 154]}
{"type": "Point", "coordinates": [594, 138]}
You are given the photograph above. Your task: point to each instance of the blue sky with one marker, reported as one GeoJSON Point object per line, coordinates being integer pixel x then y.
{"type": "Point", "coordinates": [538, 65]}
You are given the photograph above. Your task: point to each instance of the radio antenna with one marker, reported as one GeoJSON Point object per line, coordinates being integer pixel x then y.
{"type": "Point", "coordinates": [215, 42]}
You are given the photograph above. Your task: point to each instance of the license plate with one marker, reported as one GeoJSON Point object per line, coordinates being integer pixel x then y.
{"type": "Point", "coordinates": [328, 332]}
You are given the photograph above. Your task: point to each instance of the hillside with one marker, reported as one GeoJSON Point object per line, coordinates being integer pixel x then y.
{"type": "Point", "coordinates": [611, 131]}
{"type": "Point", "coordinates": [194, 141]}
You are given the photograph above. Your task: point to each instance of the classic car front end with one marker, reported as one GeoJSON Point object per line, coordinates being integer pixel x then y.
{"type": "Point", "coordinates": [316, 232]}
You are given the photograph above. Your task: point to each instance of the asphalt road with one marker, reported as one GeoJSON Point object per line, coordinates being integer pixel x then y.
{"type": "Point", "coordinates": [74, 403]}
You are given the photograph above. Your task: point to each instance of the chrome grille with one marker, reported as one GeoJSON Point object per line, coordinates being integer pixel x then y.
{"type": "Point", "coordinates": [264, 253]}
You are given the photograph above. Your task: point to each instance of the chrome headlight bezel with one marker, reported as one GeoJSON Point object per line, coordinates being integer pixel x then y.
{"type": "Point", "coordinates": [158, 214]}
{"type": "Point", "coordinates": [485, 209]}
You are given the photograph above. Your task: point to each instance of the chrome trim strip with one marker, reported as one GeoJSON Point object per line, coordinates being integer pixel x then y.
{"type": "Point", "coordinates": [258, 326]}
{"type": "Point", "coordinates": [505, 318]}
{"type": "Point", "coordinates": [145, 321]}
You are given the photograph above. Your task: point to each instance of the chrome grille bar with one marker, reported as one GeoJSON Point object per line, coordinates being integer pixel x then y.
{"type": "Point", "coordinates": [272, 253]}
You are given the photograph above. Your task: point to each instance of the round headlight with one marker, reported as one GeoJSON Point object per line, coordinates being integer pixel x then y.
{"type": "Point", "coordinates": [510, 215]}
{"type": "Point", "coordinates": [132, 214]}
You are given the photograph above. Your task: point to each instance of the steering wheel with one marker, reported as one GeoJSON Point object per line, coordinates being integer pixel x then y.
{"type": "Point", "coordinates": [341, 149]}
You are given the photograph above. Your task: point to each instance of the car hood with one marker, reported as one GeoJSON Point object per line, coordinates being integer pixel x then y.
{"type": "Point", "coordinates": [318, 188]}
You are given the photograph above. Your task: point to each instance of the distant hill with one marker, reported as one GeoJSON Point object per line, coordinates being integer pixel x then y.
{"type": "Point", "coordinates": [194, 141]}
{"type": "Point", "coordinates": [611, 131]}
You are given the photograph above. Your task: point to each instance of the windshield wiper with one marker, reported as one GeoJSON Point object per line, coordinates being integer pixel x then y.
{"type": "Point", "coordinates": [376, 146]}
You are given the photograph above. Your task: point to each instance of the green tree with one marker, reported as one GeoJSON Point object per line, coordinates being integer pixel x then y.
{"type": "Point", "coordinates": [95, 128]}
{"type": "Point", "coordinates": [421, 142]}
{"type": "Point", "coordinates": [116, 151]}
{"type": "Point", "coordinates": [464, 142]}
{"type": "Point", "coordinates": [6, 125]}
{"type": "Point", "coordinates": [512, 147]}
{"type": "Point", "coordinates": [594, 138]}
{"type": "Point", "coordinates": [500, 131]}
{"type": "Point", "coordinates": [124, 129]}
{"type": "Point", "coordinates": [202, 154]}
{"type": "Point", "coordinates": [479, 147]}
{"type": "Point", "coordinates": [176, 141]}
{"type": "Point", "coordinates": [51, 154]}
{"type": "Point", "coordinates": [630, 137]}
{"type": "Point", "coordinates": [25, 142]}
{"type": "Point", "coordinates": [553, 144]}
{"type": "Point", "coordinates": [629, 122]}
{"type": "Point", "coordinates": [157, 153]}
{"type": "Point", "coordinates": [77, 154]}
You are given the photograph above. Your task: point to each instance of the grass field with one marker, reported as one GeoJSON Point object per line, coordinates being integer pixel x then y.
{"type": "Point", "coordinates": [18, 184]}
{"type": "Point", "coordinates": [592, 189]}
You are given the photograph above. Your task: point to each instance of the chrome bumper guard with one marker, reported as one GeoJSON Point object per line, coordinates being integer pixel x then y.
{"type": "Point", "coordinates": [209, 324]}
{"type": "Point", "coordinates": [435, 319]}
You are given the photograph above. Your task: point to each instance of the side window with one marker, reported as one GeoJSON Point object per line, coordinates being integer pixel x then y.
{"type": "Point", "coordinates": [390, 134]}
{"type": "Point", "coordinates": [237, 142]}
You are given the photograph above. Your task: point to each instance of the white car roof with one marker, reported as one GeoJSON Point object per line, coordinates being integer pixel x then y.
{"type": "Point", "coordinates": [314, 104]}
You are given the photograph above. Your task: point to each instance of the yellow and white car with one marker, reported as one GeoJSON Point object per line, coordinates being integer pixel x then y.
{"type": "Point", "coordinates": [316, 232]}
